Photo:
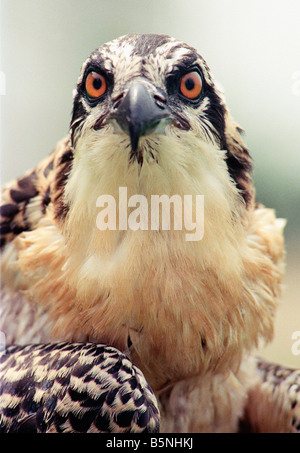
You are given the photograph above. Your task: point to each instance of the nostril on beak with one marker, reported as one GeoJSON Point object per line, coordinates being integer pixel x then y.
{"type": "Point", "coordinates": [160, 100]}
{"type": "Point", "coordinates": [117, 100]}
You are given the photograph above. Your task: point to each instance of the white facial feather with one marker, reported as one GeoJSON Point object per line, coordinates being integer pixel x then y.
{"type": "Point", "coordinates": [183, 165]}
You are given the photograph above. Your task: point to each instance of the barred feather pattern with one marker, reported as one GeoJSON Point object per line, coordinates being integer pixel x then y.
{"type": "Point", "coordinates": [73, 387]}
{"type": "Point", "coordinates": [273, 404]}
{"type": "Point", "coordinates": [25, 200]}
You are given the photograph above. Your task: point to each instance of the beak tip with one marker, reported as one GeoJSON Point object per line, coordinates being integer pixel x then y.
{"type": "Point", "coordinates": [134, 139]}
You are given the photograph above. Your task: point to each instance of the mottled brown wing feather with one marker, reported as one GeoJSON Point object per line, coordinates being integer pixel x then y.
{"type": "Point", "coordinates": [273, 404]}
{"type": "Point", "coordinates": [25, 200]}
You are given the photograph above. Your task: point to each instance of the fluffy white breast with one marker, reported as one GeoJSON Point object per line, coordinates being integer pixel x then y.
{"type": "Point", "coordinates": [174, 164]}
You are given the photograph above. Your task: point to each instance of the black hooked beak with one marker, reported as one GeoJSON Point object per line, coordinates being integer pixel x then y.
{"type": "Point", "coordinates": [141, 112]}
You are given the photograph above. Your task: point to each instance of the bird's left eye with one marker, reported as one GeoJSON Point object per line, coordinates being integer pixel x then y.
{"type": "Point", "coordinates": [191, 85]}
{"type": "Point", "coordinates": [95, 85]}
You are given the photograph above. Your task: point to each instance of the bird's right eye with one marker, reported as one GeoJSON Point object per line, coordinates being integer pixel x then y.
{"type": "Point", "coordinates": [95, 85]}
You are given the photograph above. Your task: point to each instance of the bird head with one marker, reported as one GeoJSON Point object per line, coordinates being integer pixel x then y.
{"type": "Point", "coordinates": [139, 96]}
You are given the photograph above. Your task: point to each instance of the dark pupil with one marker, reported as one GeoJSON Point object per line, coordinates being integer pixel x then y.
{"type": "Point", "coordinates": [97, 84]}
{"type": "Point", "coordinates": [190, 84]}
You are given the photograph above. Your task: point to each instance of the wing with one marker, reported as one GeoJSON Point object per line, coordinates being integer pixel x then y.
{"type": "Point", "coordinates": [274, 402]}
{"type": "Point", "coordinates": [73, 387]}
{"type": "Point", "coordinates": [24, 203]}
{"type": "Point", "coordinates": [25, 200]}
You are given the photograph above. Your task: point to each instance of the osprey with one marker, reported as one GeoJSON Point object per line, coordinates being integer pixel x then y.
{"type": "Point", "coordinates": [148, 116]}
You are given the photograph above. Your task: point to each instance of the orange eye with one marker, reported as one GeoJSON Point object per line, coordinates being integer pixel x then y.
{"type": "Point", "coordinates": [95, 85]}
{"type": "Point", "coordinates": [191, 85]}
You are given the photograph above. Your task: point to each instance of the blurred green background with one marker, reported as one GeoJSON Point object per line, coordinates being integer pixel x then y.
{"type": "Point", "coordinates": [253, 49]}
